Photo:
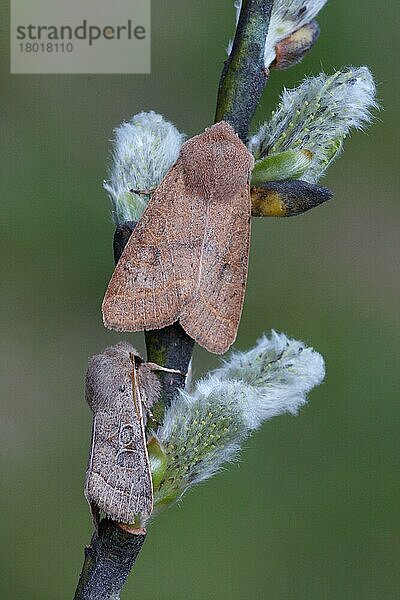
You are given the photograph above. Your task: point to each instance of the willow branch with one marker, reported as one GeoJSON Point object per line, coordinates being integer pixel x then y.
{"type": "Point", "coordinates": [113, 549]}
{"type": "Point", "coordinates": [244, 75]}
{"type": "Point", "coordinates": [108, 561]}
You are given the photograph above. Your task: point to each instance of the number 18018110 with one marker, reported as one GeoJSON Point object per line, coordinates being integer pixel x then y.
{"type": "Point", "coordinates": [46, 47]}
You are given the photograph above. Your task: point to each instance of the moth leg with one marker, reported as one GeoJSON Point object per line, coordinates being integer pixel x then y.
{"type": "Point", "coordinates": [189, 375]}
{"type": "Point", "coordinates": [144, 192]}
{"type": "Point", "coordinates": [147, 408]}
{"type": "Point", "coordinates": [95, 512]}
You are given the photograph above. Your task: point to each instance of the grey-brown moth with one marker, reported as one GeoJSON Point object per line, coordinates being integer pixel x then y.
{"type": "Point", "coordinates": [120, 388]}
{"type": "Point", "coordinates": [187, 257]}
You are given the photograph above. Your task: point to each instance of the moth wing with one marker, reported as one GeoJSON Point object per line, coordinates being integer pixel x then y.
{"type": "Point", "coordinates": [213, 313]}
{"type": "Point", "coordinates": [157, 271]}
{"type": "Point", "coordinates": [118, 478]}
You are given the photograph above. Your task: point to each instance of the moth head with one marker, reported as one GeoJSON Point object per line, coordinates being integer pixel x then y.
{"type": "Point", "coordinates": [216, 162]}
{"type": "Point", "coordinates": [108, 372]}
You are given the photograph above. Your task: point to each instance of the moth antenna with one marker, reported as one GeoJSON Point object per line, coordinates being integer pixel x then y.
{"type": "Point", "coordinates": [156, 367]}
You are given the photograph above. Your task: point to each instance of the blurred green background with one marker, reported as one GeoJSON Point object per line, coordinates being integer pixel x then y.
{"type": "Point", "coordinates": [311, 511]}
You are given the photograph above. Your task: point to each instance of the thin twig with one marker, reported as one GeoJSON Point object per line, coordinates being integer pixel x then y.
{"type": "Point", "coordinates": [108, 562]}
{"type": "Point", "coordinates": [244, 75]}
{"type": "Point", "coordinates": [113, 550]}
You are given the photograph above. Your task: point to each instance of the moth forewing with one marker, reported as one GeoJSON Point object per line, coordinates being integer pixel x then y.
{"type": "Point", "coordinates": [187, 257]}
{"type": "Point", "coordinates": [118, 477]}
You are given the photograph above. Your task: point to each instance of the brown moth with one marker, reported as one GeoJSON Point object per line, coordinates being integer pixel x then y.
{"type": "Point", "coordinates": [187, 258]}
{"type": "Point", "coordinates": [118, 477]}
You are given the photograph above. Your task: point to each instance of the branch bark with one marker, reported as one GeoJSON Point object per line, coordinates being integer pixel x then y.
{"type": "Point", "coordinates": [169, 347]}
{"type": "Point", "coordinates": [113, 549]}
{"type": "Point", "coordinates": [108, 562]}
{"type": "Point", "coordinates": [244, 74]}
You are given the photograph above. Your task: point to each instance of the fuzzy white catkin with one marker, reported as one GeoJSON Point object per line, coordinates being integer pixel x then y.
{"type": "Point", "coordinates": [203, 430]}
{"type": "Point", "coordinates": [143, 150]}
{"type": "Point", "coordinates": [287, 17]}
{"type": "Point", "coordinates": [279, 372]}
{"type": "Point", "coordinates": [317, 116]}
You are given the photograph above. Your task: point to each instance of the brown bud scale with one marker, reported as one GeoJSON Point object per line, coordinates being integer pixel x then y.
{"type": "Point", "coordinates": [287, 198]}
{"type": "Point", "coordinates": [291, 50]}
